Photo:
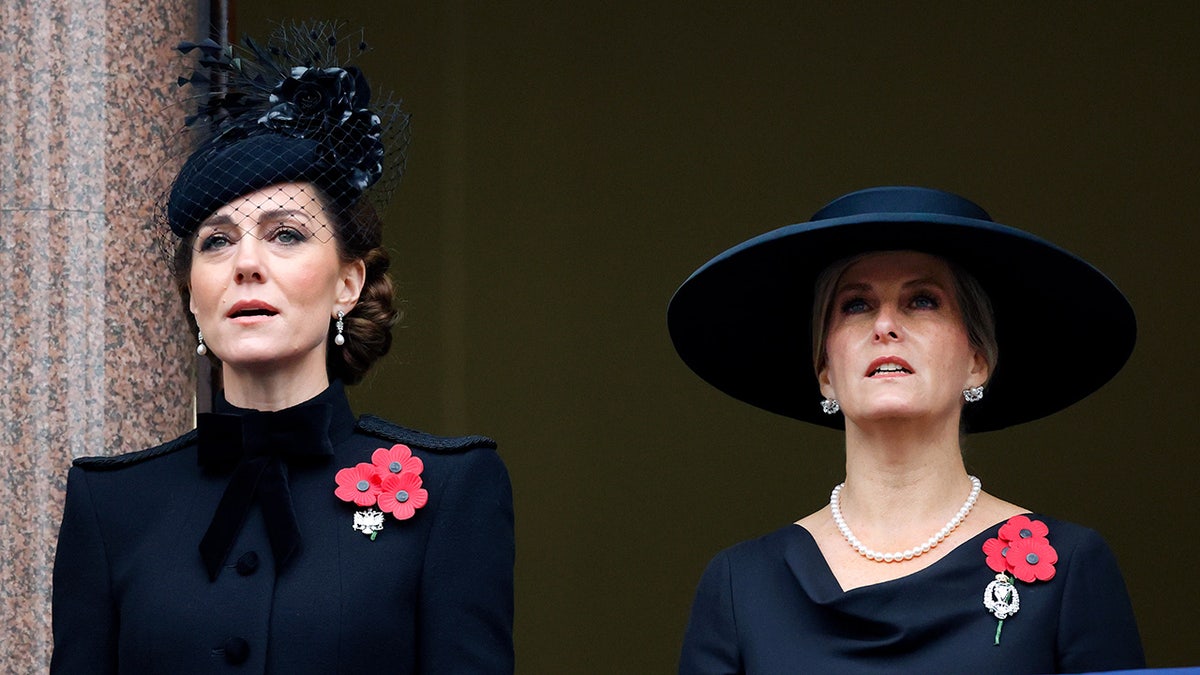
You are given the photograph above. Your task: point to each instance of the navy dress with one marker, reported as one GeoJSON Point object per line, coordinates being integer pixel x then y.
{"type": "Point", "coordinates": [286, 584]}
{"type": "Point", "coordinates": [772, 605]}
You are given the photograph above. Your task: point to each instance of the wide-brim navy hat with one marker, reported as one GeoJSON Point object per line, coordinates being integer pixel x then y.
{"type": "Point", "coordinates": [742, 321]}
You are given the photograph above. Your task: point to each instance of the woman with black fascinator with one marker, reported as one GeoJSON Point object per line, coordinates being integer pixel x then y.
{"type": "Point", "coordinates": [285, 534]}
{"type": "Point", "coordinates": [927, 321]}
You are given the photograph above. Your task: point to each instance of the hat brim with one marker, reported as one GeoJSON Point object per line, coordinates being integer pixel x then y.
{"type": "Point", "coordinates": [742, 321]}
{"type": "Point", "coordinates": [216, 175]}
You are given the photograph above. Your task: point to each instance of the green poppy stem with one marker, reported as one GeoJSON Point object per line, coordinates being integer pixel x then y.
{"type": "Point", "coordinates": [1007, 599]}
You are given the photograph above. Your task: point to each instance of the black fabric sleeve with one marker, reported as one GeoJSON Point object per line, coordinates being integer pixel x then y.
{"type": "Point", "coordinates": [466, 607]}
{"type": "Point", "coordinates": [710, 643]}
{"type": "Point", "coordinates": [1096, 630]}
{"type": "Point", "coordinates": [84, 616]}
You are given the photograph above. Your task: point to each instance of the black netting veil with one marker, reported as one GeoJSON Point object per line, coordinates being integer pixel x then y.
{"type": "Point", "coordinates": [285, 131]}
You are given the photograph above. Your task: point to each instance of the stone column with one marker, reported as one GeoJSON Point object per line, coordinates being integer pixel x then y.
{"type": "Point", "coordinates": [94, 356]}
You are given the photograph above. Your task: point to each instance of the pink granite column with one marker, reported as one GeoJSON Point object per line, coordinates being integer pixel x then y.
{"type": "Point", "coordinates": [94, 356]}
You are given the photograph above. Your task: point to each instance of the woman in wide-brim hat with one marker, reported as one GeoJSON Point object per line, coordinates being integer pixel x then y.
{"type": "Point", "coordinates": [927, 320]}
{"type": "Point", "coordinates": [285, 534]}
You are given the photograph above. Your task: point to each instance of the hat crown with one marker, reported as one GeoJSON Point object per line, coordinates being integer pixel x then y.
{"type": "Point", "coordinates": [901, 199]}
{"type": "Point", "coordinates": [292, 110]}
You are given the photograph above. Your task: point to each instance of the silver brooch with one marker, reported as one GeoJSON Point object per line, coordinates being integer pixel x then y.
{"type": "Point", "coordinates": [1002, 600]}
{"type": "Point", "coordinates": [368, 521]}
{"type": "Point", "coordinates": [1001, 597]}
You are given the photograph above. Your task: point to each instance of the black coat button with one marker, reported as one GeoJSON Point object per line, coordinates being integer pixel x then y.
{"type": "Point", "coordinates": [247, 564]}
{"type": "Point", "coordinates": [237, 650]}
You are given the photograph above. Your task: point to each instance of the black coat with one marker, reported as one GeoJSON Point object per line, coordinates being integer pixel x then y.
{"type": "Point", "coordinates": [431, 594]}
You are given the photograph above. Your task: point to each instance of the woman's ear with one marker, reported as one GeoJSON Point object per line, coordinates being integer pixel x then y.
{"type": "Point", "coordinates": [980, 372]}
{"type": "Point", "coordinates": [826, 385]}
{"type": "Point", "coordinates": [350, 284]}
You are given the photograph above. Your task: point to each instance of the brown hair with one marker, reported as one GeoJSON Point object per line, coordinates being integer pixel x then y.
{"type": "Point", "coordinates": [973, 302]}
{"type": "Point", "coordinates": [368, 326]}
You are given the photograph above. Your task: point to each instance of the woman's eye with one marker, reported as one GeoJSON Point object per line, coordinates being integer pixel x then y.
{"type": "Point", "coordinates": [214, 241]}
{"type": "Point", "coordinates": [924, 301]}
{"type": "Point", "coordinates": [287, 235]}
{"type": "Point", "coordinates": [854, 306]}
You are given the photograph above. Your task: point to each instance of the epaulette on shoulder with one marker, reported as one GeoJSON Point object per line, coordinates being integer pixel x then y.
{"type": "Point", "coordinates": [381, 428]}
{"type": "Point", "coordinates": [131, 458]}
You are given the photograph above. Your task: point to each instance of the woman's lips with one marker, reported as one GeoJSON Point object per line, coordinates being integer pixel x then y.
{"type": "Point", "coordinates": [251, 308]}
{"type": "Point", "coordinates": [251, 311]}
{"type": "Point", "coordinates": [889, 366]}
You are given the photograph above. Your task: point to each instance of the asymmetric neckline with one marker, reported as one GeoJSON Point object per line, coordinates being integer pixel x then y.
{"type": "Point", "coordinates": [821, 578]}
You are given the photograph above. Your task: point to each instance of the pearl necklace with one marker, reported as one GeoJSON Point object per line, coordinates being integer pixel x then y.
{"type": "Point", "coordinates": [915, 551]}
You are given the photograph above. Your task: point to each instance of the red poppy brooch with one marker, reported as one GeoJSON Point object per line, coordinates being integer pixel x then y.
{"type": "Point", "coordinates": [1022, 552]}
{"type": "Point", "coordinates": [392, 481]}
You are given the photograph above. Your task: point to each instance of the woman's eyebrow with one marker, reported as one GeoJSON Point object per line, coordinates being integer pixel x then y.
{"type": "Point", "coordinates": [283, 214]}
{"type": "Point", "coordinates": [854, 286]}
{"type": "Point", "coordinates": [925, 281]}
{"type": "Point", "coordinates": [859, 286]}
{"type": "Point", "coordinates": [216, 220]}
{"type": "Point", "coordinates": [266, 217]}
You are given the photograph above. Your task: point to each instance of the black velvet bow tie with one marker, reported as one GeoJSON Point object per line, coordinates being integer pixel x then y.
{"type": "Point", "coordinates": [257, 445]}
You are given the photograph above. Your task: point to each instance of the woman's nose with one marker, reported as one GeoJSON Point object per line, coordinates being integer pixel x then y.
{"type": "Point", "coordinates": [887, 327]}
{"type": "Point", "coordinates": [247, 260]}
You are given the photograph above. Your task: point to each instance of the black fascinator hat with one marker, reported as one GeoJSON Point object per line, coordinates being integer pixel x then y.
{"type": "Point", "coordinates": [742, 321]}
{"type": "Point", "coordinates": [291, 110]}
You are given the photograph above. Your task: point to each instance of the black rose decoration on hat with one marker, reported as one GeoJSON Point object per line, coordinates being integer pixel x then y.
{"type": "Point", "coordinates": [313, 98]}
{"type": "Point", "coordinates": [331, 104]}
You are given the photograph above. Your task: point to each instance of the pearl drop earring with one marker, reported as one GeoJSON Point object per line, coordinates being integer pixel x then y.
{"type": "Point", "coordinates": [340, 339]}
{"type": "Point", "coordinates": [201, 349]}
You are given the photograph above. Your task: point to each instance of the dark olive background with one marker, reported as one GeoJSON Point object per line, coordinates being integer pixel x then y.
{"type": "Point", "coordinates": [573, 162]}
